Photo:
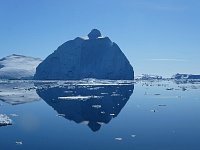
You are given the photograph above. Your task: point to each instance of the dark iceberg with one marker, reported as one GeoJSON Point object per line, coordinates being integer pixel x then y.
{"type": "Point", "coordinates": [91, 57]}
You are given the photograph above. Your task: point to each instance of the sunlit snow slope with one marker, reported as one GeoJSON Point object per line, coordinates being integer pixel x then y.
{"type": "Point", "coordinates": [18, 67]}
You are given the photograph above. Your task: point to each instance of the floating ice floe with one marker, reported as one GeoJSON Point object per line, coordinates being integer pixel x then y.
{"type": "Point", "coordinates": [133, 135]}
{"type": "Point", "coordinates": [96, 106]}
{"type": "Point", "coordinates": [77, 97]}
{"type": "Point", "coordinates": [19, 142]}
{"type": "Point", "coordinates": [115, 94]}
{"type": "Point", "coordinates": [5, 120]}
{"type": "Point", "coordinates": [112, 114]}
{"type": "Point", "coordinates": [153, 110]}
{"type": "Point", "coordinates": [14, 115]}
{"type": "Point", "coordinates": [118, 138]}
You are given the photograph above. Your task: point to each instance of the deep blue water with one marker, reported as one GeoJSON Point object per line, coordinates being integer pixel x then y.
{"type": "Point", "coordinates": [122, 116]}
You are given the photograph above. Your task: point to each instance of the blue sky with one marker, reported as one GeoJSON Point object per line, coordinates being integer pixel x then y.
{"type": "Point", "coordinates": [158, 36]}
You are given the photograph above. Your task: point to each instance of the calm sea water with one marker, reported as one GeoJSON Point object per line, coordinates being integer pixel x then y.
{"type": "Point", "coordinates": [99, 115]}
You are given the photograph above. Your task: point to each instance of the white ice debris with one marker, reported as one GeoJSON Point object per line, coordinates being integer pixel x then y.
{"type": "Point", "coordinates": [96, 106]}
{"type": "Point", "coordinates": [14, 115]}
{"type": "Point", "coordinates": [79, 97]}
{"type": "Point", "coordinates": [19, 142]}
{"type": "Point", "coordinates": [5, 120]}
{"type": "Point", "coordinates": [133, 135]}
{"type": "Point", "coordinates": [118, 138]}
{"type": "Point", "coordinates": [112, 114]}
{"type": "Point", "coordinates": [153, 110]}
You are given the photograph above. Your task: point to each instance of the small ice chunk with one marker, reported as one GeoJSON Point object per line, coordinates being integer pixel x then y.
{"type": "Point", "coordinates": [115, 94]}
{"type": "Point", "coordinates": [75, 97]}
{"type": "Point", "coordinates": [14, 115]}
{"type": "Point", "coordinates": [153, 110]}
{"type": "Point", "coordinates": [133, 135]}
{"type": "Point", "coordinates": [118, 138]}
{"type": "Point", "coordinates": [112, 114]}
{"type": "Point", "coordinates": [79, 97]}
{"type": "Point", "coordinates": [5, 120]}
{"type": "Point", "coordinates": [60, 115]}
{"type": "Point", "coordinates": [19, 142]}
{"type": "Point", "coordinates": [104, 93]}
{"type": "Point", "coordinates": [96, 106]}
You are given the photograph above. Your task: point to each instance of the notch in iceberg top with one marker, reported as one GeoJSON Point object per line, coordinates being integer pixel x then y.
{"type": "Point", "coordinates": [94, 34]}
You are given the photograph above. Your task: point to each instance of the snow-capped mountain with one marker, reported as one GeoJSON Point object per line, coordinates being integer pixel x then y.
{"type": "Point", "coordinates": [94, 56]}
{"type": "Point", "coordinates": [18, 67]}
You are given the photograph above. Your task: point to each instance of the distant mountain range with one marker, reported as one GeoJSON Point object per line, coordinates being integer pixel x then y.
{"type": "Point", "coordinates": [147, 77]}
{"type": "Point", "coordinates": [185, 76]}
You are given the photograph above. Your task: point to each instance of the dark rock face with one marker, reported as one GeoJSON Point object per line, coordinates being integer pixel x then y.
{"type": "Point", "coordinates": [96, 57]}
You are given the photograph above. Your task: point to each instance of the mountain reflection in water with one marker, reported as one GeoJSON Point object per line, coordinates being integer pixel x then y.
{"type": "Point", "coordinates": [92, 104]}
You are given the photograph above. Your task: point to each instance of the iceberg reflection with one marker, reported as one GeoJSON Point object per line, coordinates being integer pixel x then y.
{"type": "Point", "coordinates": [92, 104]}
